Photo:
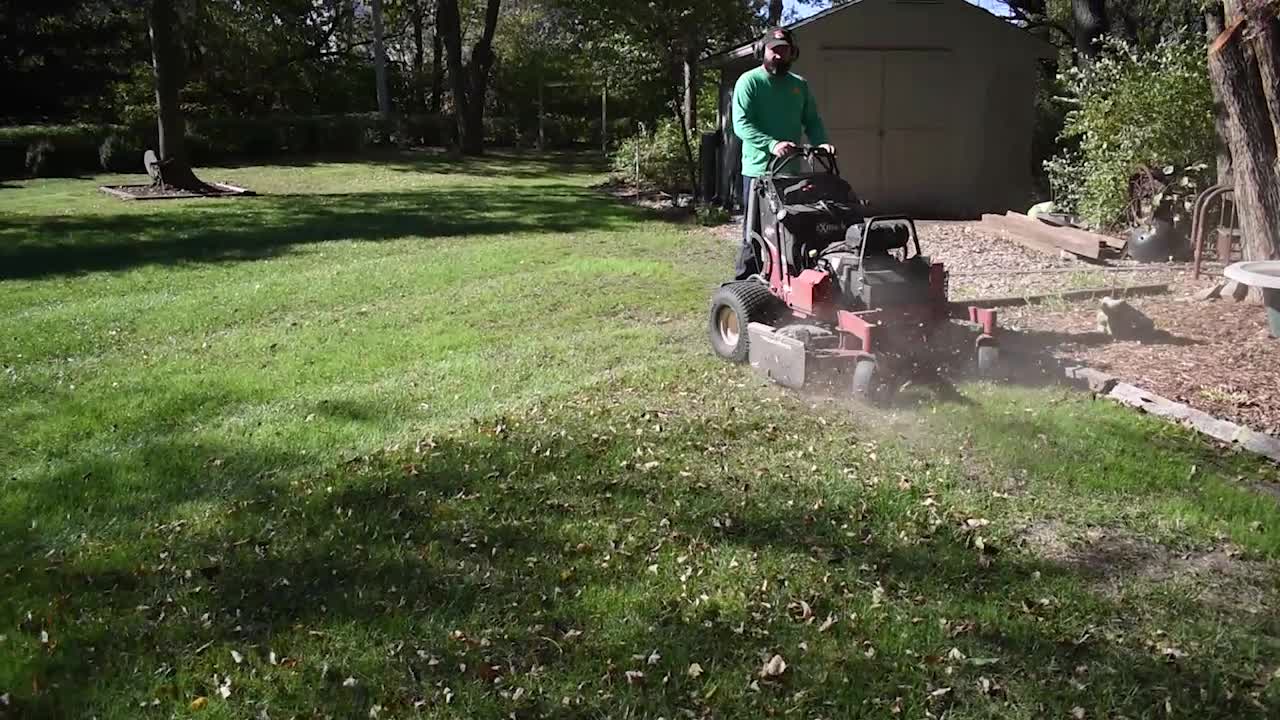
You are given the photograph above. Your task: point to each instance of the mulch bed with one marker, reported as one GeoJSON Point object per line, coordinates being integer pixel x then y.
{"type": "Point", "coordinates": [1215, 356]}
{"type": "Point", "coordinates": [152, 191]}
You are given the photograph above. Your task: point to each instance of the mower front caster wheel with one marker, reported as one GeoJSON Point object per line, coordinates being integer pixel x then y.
{"type": "Point", "coordinates": [988, 361]}
{"type": "Point", "coordinates": [733, 308]}
{"type": "Point", "coordinates": [865, 379]}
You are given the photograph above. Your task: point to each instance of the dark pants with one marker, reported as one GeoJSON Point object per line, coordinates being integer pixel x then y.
{"type": "Point", "coordinates": [748, 262]}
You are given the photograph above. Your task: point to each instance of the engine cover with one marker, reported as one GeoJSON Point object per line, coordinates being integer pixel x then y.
{"type": "Point", "coordinates": [882, 282]}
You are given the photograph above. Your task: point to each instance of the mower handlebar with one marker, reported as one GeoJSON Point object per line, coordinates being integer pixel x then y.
{"type": "Point", "coordinates": [776, 163]}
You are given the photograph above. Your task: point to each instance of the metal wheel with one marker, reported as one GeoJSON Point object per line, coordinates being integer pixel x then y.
{"type": "Point", "coordinates": [727, 325]}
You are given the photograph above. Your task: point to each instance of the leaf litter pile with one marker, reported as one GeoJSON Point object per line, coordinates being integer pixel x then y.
{"type": "Point", "coordinates": [671, 552]}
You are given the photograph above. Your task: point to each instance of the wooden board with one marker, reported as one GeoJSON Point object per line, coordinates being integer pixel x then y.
{"type": "Point", "coordinates": [1074, 241]}
{"type": "Point", "coordinates": [999, 224]}
{"type": "Point", "coordinates": [960, 308]}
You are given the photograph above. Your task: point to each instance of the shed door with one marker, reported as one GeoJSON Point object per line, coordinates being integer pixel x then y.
{"type": "Point", "coordinates": [893, 117]}
{"type": "Point", "coordinates": [921, 127]}
{"type": "Point", "coordinates": [851, 110]}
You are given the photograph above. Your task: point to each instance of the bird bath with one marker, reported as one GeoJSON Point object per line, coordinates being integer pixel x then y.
{"type": "Point", "coordinates": [1265, 275]}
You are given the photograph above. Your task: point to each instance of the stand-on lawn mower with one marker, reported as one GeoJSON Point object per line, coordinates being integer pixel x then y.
{"type": "Point", "coordinates": [837, 291]}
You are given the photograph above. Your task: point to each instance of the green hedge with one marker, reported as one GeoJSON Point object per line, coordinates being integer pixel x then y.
{"type": "Point", "coordinates": [61, 150]}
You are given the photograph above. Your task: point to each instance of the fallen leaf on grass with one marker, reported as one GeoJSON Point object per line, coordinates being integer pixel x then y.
{"type": "Point", "coordinates": [774, 668]}
{"type": "Point", "coordinates": [238, 657]}
{"type": "Point", "coordinates": [634, 677]}
{"type": "Point", "coordinates": [988, 687]}
{"type": "Point", "coordinates": [1078, 713]}
{"type": "Point", "coordinates": [197, 704]}
{"type": "Point", "coordinates": [695, 670]}
{"type": "Point", "coordinates": [802, 610]}
{"type": "Point", "coordinates": [940, 692]}
{"type": "Point", "coordinates": [826, 625]}
{"type": "Point", "coordinates": [1173, 653]}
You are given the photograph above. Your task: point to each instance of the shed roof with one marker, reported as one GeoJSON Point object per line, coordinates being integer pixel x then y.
{"type": "Point", "coordinates": [1035, 47]}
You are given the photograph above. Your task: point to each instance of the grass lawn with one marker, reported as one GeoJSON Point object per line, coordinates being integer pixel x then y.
{"type": "Point", "coordinates": [412, 438]}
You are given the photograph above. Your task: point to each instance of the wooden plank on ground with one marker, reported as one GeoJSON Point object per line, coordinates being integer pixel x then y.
{"type": "Point", "coordinates": [960, 308]}
{"type": "Point", "coordinates": [1000, 225]}
{"type": "Point", "coordinates": [1108, 240]}
{"type": "Point", "coordinates": [1074, 241]}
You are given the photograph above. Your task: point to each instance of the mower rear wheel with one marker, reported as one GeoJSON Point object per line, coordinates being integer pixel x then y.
{"type": "Point", "coordinates": [733, 308]}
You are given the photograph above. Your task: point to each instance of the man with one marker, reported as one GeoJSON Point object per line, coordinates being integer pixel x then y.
{"type": "Point", "coordinates": [772, 109]}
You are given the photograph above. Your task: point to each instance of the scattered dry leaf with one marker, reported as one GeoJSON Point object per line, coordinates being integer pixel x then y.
{"type": "Point", "coordinates": [826, 625]}
{"type": "Point", "coordinates": [774, 668]}
{"type": "Point", "coordinates": [695, 670]}
{"type": "Point", "coordinates": [199, 703]}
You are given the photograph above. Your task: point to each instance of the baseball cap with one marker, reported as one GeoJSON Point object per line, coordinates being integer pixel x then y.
{"type": "Point", "coordinates": [778, 36]}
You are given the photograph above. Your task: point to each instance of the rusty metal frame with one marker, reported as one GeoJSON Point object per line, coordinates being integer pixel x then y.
{"type": "Point", "coordinates": [1198, 220]}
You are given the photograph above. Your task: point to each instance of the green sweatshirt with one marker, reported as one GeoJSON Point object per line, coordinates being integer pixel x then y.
{"type": "Point", "coordinates": [767, 110]}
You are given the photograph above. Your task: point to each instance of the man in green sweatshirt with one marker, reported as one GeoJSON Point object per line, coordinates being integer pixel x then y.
{"type": "Point", "coordinates": [773, 109]}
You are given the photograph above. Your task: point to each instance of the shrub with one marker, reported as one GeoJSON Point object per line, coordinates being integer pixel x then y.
{"type": "Point", "coordinates": [1126, 110]}
{"type": "Point", "coordinates": [711, 215]}
{"type": "Point", "coordinates": [120, 152]}
{"type": "Point", "coordinates": [41, 158]}
{"type": "Point", "coordinates": [656, 159]}
{"type": "Point", "coordinates": [49, 149]}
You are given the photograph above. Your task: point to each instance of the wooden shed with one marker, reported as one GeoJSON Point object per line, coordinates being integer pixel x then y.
{"type": "Point", "coordinates": [930, 104]}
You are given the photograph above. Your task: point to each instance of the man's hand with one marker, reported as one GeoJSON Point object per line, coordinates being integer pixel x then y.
{"type": "Point", "coordinates": [783, 148]}
{"type": "Point", "coordinates": [829, 148]}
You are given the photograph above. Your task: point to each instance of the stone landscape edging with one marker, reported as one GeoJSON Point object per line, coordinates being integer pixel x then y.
{"type": "Point", "coordinates": [1131, 395]}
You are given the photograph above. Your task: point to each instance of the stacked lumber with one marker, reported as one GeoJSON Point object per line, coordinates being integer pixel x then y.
{"type": "Point", "coordinates": [1050, 239]}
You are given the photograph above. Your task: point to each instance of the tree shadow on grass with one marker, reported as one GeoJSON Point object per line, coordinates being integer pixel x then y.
{"type": "Point", "coordinates": [246, 229]}
{"type": "Point", "coordinates": [546, 557]}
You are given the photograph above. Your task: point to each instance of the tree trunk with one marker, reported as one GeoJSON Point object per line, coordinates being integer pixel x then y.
{"type": "Point", "coordinates": [419, 53]}
{"type": "Point", "coordinates": [775, 12]}
{"type": "Point", "coordinates": [1091, 23]}
{"type": "Point", "coordinates": [380, 69]}
{"type": "Point", "coordinates": [448, 27]}
{"type": "Point", "coordinates": [166, 58]}
{"type": "Point", "coordinates": [1266, 48]}
{"type": "Point", "coordinates": [691, 89]}
{"type": "Point", "coordinates": [1213, 21]}
{"type": "Point", "coordinates": [1252, 127]}
{"type": "Point", "coordinates": [437, 70]}
{"type": "Point", "coordinates": [478, 82]}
